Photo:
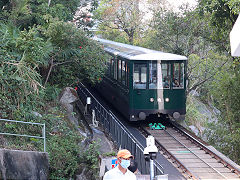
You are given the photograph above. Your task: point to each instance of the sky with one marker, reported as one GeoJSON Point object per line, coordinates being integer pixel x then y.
{"type": "Point", "coordinates": [174, 4]}
{"type": "Point", "coordinates": [177, 3]}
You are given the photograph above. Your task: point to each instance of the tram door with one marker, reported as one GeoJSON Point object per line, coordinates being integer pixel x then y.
{"type": "Point", "coordinates": [139, 85]}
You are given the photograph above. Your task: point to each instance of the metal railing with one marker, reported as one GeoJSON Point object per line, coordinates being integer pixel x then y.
{"type": "Point", "coordinates": [25, 135]}
{"type": "Point", "coordinates": [119, 133]}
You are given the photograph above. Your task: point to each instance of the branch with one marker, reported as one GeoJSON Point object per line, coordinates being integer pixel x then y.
{"type": "Point", "coordinates": [49, 72]}
{"type": "Point", "coordinates": [56, 64]}
{"type": "Point", "coordinates": [203, 81]}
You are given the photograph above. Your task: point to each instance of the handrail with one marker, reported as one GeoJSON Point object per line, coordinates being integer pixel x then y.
{"type": "Point", "coordinates": [25, 135]}
{"type": "Point", "coordinates": [117, 122]}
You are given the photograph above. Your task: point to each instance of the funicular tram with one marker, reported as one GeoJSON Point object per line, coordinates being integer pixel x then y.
{"type": "Point", "coordinates": [140, 82]}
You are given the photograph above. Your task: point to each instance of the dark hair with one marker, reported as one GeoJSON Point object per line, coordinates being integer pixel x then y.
{"type": "Point", "coordinates": [133, 166]}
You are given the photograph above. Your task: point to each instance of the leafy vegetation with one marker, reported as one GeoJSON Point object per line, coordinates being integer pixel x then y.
{"type": "Point", "coordinates": [41, 53]}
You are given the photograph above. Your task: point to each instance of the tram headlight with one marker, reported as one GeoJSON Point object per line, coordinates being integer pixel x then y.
{"type": "Point", "coordinates": [159, 100]}
{"type": "Point", "coordinates": [167, 99]}
{"type": "Point", "coordinates": [151, 100]}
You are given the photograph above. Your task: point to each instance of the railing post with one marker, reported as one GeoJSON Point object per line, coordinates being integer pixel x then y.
{"type": "Point", "coordinates": [44, 137]}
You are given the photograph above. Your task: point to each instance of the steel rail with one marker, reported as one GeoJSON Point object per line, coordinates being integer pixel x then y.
{"type": "Point", "coordinates": [207, 150]}
{"type": "Point", "coordinates": [196, 155]}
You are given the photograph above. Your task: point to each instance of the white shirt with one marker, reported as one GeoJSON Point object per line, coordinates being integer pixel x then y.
{"type": "Point", "coordinates": [116, 174]}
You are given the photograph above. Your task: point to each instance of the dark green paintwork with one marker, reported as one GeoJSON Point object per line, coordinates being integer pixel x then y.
{"type": "Point", "coordinates": [140, 98]}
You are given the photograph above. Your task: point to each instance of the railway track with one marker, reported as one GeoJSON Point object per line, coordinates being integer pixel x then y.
{"type": "Point", "coordinates": [190, 156]}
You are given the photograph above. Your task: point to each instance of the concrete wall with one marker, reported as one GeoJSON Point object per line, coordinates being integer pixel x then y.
{"type": "Point", "coordinates": [15, 164]}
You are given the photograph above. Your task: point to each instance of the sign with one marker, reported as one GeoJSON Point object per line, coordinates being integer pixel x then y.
{"type": "Point", "coordinates": [235, 38]}
{"type": "Point", "coordinates": [114, 163]}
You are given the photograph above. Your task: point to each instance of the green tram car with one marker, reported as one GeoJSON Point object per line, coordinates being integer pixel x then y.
{"type": "Point", "coordinates": [140, 82]}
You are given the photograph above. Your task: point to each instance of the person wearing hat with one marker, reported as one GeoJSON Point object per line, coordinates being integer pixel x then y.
{"type": "Point", "coordinates": [121, 171]}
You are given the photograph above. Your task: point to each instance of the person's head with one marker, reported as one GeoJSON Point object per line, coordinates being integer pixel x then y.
{"type": "Point", "coordinates": [133, 166]}
{"type": "Point", "coordinates": [124, 157]}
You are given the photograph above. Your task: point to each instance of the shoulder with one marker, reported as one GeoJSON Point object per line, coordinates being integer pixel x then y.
{"type": "Point", "coordinates": [131, 174]}
{"type": "Point", "coordinates": [109, 173]}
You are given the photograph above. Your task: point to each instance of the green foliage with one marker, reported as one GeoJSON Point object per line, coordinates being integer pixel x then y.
{"type": "Point", "coordinates": [63, 152]}
{"type": "Point", "coordinates": [51, 93]}
{"type": "Point", "coordinates": [26, 13]}
{"type": "Point", "coordinates": [201, 72]}
{"type": "Point", "coordinates": [112, 34]}
{"type": "Point", "coordinates": [225, 132]}
{"type": "Point", "coordinates": [35, 49]}
{"type": "Point", "coordinates": [234, 5]}
{"type": "Point", "coordinates": [193, 116]}
{"type": "Point", "coordinates": [37, 46]}
{"type": "Point", "coordinates": [20, 80]}
{"type": "Point", "coordinates": [90, 157]}
{"type": "Point", "coordinates": [109, 154]}
{"type": "Point", "coordinates": [221, 15]}
{"type": "Point", "coordinates": [168, 32]}
{"type": "Point", "coordinates": [75, 56]}
{"type": "Point", "coordinates": [119, 15]}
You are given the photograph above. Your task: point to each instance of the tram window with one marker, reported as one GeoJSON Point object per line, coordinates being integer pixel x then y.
{"type": "Point", "coordinates": [127, 74]}
{"type": "Point", "coordinates": [153, 78]}
{"type": "Point", "coordinates": [159, 74]}
{"type": "Point", "coordinates": [119, 70]}
{"type": "Point", "coordinates": [115, 69]}
{"type": "Point", "coordinates": [140, 76]}
{"type": "Point", "coordinates": [112, 67]}
{"type": "Point", "coordinates": [178, 75]}
{"type": "Point", "coordinates": [166, 74]}
{"type": "Point", "coordinates": [123, 73]}
{"type": "Point", "coordinates": [108, 62]}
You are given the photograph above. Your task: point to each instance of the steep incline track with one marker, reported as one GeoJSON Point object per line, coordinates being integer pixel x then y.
{"type": "Point", "coordinates": [191, 156]}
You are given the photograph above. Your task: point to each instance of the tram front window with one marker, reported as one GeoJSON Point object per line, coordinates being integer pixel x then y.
{"type": "Point", "coordinates": [140, 76]}
{"type": "Point", "coordinates": [159, 75]}
{"type": "Point", "coordinates": [178, 75]}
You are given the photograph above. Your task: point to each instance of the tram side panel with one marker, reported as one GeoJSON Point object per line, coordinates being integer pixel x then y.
{"type": "Point", "coordinates": [114, 94]}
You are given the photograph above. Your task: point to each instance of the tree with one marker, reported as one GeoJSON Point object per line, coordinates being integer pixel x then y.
{"type": "Point", "coordinates": [222, 16]}
{"type": "Point", "coordinates": [202, 71]}
{"type": "Point", "coordinates": [74, 55]}
{"type": "Point", "coordinates": [120, 15]}
{"type": "Point", "coordinates": [26, 13]}
{"type": "Point", "coordinates": [31, 56]}
{"type": "Point", "coordinates": [224, 133]}
{"type": "Point", "coordinates": [21, 53]}
{"type": "Point", "coordinates": [168, 32]}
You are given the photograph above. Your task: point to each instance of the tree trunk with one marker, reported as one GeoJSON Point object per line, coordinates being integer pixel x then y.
{"type": "Point", "coordinates": [49, 72]}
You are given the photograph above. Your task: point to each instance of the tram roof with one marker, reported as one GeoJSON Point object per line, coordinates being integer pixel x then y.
{"type": "Point", "coordinates": [135, 52]}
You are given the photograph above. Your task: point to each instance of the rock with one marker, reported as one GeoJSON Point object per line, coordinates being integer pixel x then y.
{"type": "Point", "coordinates": [37, 114]}
{"type": "Point", "coordinates": [82, 176]}
{"type": "Point", "coordinates": [16, 164]}
{"type": "Point", "coordinates": [67, 98]}
{"type": "Point", "coordinates": [105, 144]}
{"type": "Point", "coordinates": [194, 129]}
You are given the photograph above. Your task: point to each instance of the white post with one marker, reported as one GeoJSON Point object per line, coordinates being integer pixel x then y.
{"type": "Point", "coordinates": [151, 170]}
{"type": "Point", "coordinates": [86, 106]}
{"type": "Point", "coordinates": [94, 120]}
{"type": "Point", "coordinates": [150, 153]}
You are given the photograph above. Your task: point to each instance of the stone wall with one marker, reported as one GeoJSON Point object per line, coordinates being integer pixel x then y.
{"type": "Point", "coordinates": [16, 164]}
